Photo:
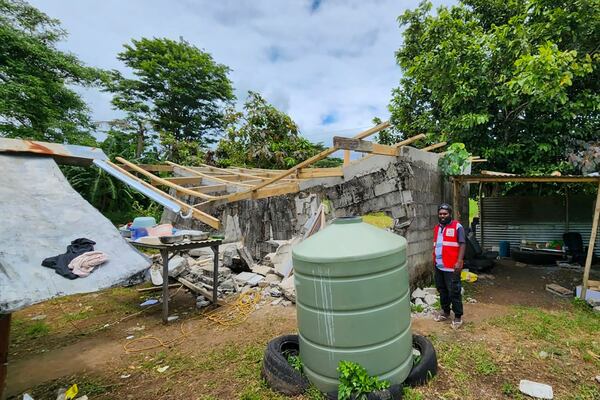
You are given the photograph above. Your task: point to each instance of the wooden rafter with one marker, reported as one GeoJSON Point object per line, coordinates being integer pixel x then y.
{"type": "Point", "coordinates": [434, 146]}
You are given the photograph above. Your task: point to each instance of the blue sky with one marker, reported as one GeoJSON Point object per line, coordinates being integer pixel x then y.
{"type": "Point", "coordinates": [329, 64]}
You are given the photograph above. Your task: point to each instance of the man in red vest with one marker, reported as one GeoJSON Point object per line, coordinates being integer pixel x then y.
{"type": "Point", "coordinates": [448, 252]}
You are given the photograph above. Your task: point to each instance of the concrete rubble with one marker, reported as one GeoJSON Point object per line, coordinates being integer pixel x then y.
{"type": "Point", "coordinates": [237, 273]}
{"type": "Point", "coordinates": [536, 390]}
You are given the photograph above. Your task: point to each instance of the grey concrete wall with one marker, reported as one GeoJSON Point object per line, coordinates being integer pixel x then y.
{"type": "Point", "coordinates": [407, 188]}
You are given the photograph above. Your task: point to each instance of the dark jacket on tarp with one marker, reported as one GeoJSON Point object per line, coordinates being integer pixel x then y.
{"type": "Point", "coordinates": [60, 263]}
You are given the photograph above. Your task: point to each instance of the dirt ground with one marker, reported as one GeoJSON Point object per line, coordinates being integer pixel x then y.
{"type": "Point", "coordinates": [516, 330]}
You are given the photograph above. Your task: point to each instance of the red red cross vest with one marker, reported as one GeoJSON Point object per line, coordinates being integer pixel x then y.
{"type": "Point", "coordinates": [450, 245]}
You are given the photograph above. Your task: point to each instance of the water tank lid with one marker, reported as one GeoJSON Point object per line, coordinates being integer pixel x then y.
{"type": "Point", "coordinates": [348, 239]}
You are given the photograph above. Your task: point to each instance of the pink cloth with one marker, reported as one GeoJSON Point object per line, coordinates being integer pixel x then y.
{"type": "Point", "coordinates": [84, 264]}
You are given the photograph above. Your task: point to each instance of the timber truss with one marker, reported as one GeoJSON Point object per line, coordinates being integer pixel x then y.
{"type": "Point", "coordinates": [206, 185]}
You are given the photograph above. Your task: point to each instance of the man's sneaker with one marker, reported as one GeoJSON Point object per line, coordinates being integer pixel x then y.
{"type": "Point", "coordinates": [440, 316]}
{"type": "Point", "coordinates": [457, 323]}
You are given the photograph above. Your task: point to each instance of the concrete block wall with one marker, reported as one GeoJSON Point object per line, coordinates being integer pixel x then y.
{"type": "Point", "coordinates": [408, 188]}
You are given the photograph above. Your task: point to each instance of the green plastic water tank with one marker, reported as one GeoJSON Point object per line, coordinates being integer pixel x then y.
{"type": "Point", "coordinates": [353, 302]}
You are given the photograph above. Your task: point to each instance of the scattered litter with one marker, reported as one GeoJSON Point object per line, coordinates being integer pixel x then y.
{"type": "Point", "coordinates": [598, 378]}
{"type": "Point", "coordinates": [277, 301]}
{"type": "Point", "coordinates": [535, 389]}
{"type": "Point", "coordinates": [155, 275]}
{"type": "Point", "coordinates": [71, 392]}
{"type": "Point", "coordinates": [125, 376]}
{"type": "Point", "coordinates": [467, 276]}
{"type": "Point", "coordinates": [172, 318]}
{"type": "Point", "coordinates": [566, 265]}
{"type": "Point", "coordinates": [130, 337]}
{"type": "Point", "coordinates": [543, 354]}
{"type": "Point", "coordinates": [37, 318]}
{"type": "Point", "coordinates": [138, 328]}
{"type": "Point", "coordinates": [149, 302]}
{"type": "Point", "coordinates": [559, 290]}
{"type": "Point", "coordinates": [162, 369]}
{"type": "Point", "coordinates": [26, 396]}
{"type": "Point", "coordinates": [471, 300]}
{"type": "Point", "coordinates": [84, 397]}
{"type": "Point", "coordinates": [274, 292]}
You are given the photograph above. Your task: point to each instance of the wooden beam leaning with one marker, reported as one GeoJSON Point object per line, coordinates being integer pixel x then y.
{"type": "Point", "coordinates": [364, 146]}
{"type": "Point", "coordinates": [410, 140]}
{"type": "Point", "coordinates": [591, 245]}
{"type": "Point", "coordinates": [199, 215]}
{"type": "Point", "coordinates": [163, 181]}
{"type": "Point", "coordinates": [434, 146]}
{"type": "Point", "coordinates": [151, 167]}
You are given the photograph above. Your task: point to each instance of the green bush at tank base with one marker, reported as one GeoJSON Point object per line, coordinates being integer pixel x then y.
{"type": "Point", "coordinates": [295, 362]}
{"type": "Point", "coordinates": [354, 380]}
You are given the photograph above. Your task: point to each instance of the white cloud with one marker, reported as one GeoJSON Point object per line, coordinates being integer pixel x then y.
{"type": "Point", "coordinates": [312, 59]}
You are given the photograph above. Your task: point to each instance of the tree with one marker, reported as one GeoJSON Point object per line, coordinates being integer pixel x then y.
{"type": "Point", "coordinates": [263, 137]}
{"type": "Point", "coordinates": [517, 81]}
{"type": "Point", "coordinates": [36, 101]}
{"type": "Point", "coordinates": [179, 89]}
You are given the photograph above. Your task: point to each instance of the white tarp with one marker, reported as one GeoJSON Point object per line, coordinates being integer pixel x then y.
{"type": "Point", "coordinates": [40, 214]}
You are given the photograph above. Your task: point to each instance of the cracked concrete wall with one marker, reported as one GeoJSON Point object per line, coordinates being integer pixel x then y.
{"type": "Point", "coordinates": [407, 188]}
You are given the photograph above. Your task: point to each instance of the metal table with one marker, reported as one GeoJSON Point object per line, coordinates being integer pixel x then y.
{"type": "Point", "coordinates": [174, 248]}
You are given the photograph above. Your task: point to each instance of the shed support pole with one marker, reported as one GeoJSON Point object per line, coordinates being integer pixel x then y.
{"type": "Point", "coordinates": [590, 253]}
{"type": "Point", "coordinates": [456, 199]}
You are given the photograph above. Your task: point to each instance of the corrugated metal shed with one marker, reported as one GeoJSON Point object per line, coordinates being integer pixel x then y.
{"type": "Point", "coordinates": [533, 218]}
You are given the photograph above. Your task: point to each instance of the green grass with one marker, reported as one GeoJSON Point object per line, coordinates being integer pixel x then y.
{"type": "Point", "coordinates": [37, 329]}
{"type": "Point", "coordinates": [78, 315]}
{"type": "Point", "coordinates": [412, 394]}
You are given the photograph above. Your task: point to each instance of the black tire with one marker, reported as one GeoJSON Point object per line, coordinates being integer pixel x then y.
{"type": "Point", "coordinates": [394, 392]}
{"type": "Point", "coordinates": [276, 370]}
{"type": "Point", "coordinates": [427, 367]}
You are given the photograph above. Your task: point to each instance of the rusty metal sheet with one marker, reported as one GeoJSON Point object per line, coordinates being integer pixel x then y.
{"type": "Point", "coordinates": [62, 153]}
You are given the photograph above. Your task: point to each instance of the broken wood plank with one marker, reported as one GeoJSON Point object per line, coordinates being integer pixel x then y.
{"type": "Point", "coordinates": [209, 188]}
{"type": "Point", "coordinates": [199, 215]}
{"type": "Point", "coordinates": [208, 295]}
{"type": "Point", "coordinates": [558, 290]}
{"type": "Point", "coordinates": [373, 130]}
{"type": "Point", "coordinates": [434, 146]}
{"type": "Point", "coordinates": [410, 140]}
{"type": "Point", "coordinates": [364, 146]}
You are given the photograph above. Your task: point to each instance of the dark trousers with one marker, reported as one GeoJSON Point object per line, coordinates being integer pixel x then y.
{"type": "Point", "coordinates": [449, 286]}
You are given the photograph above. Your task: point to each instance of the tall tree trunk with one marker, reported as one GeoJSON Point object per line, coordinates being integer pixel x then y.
{"type": "Point", "coordinates": [140, 140]}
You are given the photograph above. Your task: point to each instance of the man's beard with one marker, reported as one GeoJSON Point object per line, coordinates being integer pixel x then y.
{"type": "Point", "coordinates": [445, 221]}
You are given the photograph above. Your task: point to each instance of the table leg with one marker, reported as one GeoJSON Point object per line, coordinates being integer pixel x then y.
{"type": "Point", "coordinates": [165, 259]}
{"type": "Point", "coordinates": [215, 250]}
{"type": "Point", "coordinates": [4, 340]}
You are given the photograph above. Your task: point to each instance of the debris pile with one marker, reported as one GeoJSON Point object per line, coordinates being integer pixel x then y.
{"type": "Point", "coordinates": [426, 301]}
{"type": "Point", "coordinates": [237, 273]}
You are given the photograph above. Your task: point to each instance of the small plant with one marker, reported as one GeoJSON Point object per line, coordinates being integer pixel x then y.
{"type": "Point", "coordinates": [37, 329]}
{"type": "Point", "coordinates": [354, 381]}
{"type": "Point", "coordinates": [412, 394]}
{"type": "Point", "coordinates": [416, 308]}
{"type": "Point", "coordinates": [455, 160]}
{"type": "Point", "coordinates": [295, 362]}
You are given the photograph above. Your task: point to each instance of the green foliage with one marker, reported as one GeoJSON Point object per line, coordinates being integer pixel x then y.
{"type": "Point", "coordinates": [379, 219]}
{"type": "Point", "coordinates": [36, 99]}
{"type": "Point", "coordinates": [517, 81]}
{"type": "Point", "coordinates": [263, 137]}
{"type": "Point", "coordinates": [355, 381]}
{"type": "Point", "coordinates": [455, 160]}
{"type": "Point", "coordinates": [295, 362]}
{"type": "Point", "coordinates": [178, 89]}
{"type": "Point", "coordinates": [416, 308]}
{"type": "Point", "coordinates": [412, 394]}
{"type": "Point", "coordinates": [37, 329]}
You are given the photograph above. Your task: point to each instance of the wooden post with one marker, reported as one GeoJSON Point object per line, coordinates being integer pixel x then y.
{"type": "Point", "coordinates": [456, 199]}
{"type": "Point", "coordinates": [590, 253]}
{"type": "Point", "coordinates": [4, 340]}
{"type": "Point", "coordinates": [346, 157]}
{"type": "Point", "coordinates": [165, 292]}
